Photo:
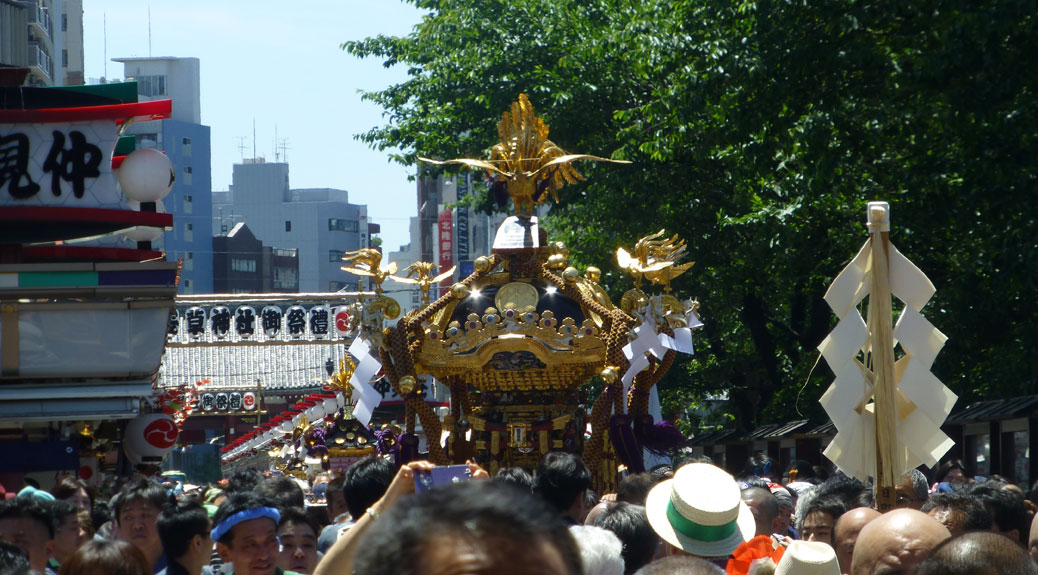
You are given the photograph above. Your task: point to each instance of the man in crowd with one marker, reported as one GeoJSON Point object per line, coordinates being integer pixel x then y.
{"type": "Point", "coordinates": [1007, 509]}
{"type": "Point", "coordinates": [978, 553]}
{"type": "Point", "coordinates": [680, 566]}
{"type": "Point", "coordinates": [958, 512]}
{"type": "Point", "coordinates": [246, 534]}
{"type": "Point", "coordinates": [896, 543]}
{"type": "Point", "coordinates": [135, 512]}
{"type": "Point", "coordinates": [298, 537]}
{"type": "Point", "coordinates": [26, 522]}
{"type": "Point", "coordinates": [184, 530]}
{"type": "Point", "coordinates": [764, 507]}
{"type": "Point", "coordinates": [68, 535]}
{"type": "Point", "coordinates": [845, 534]}
{"type": "Point", "coordinates": [363, 484]}
{"type": "Point", "coordinates": [820, 516]}
{"type": "Point", "coordinates": [631, 525]}
{"type": "Point", "coordinates": [469, 527]}
{"type": "Point", "coordinates": [913, 490]}
{"type": "Point", "coordinates": [1032, 541]}
{"type": "Point", "coordinates": [284, 491]}
{"type": "Point", "coordinates": [561, 479]}
{"type": "Point", "coordinates": [635, 488]}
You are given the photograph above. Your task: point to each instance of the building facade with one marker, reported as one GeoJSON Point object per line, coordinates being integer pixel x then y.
{"type": "Point", "coordinates": [33, 35]}
{"type": "Point", "coordinates": [242, 264]}
{"type": "Point", "coordinates": [319, 223]}
{"type": "Point", "coordinates": [187, 143]}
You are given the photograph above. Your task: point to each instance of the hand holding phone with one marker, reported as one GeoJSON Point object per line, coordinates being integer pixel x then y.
{"type": "Point", "coordinates": [426, 480]}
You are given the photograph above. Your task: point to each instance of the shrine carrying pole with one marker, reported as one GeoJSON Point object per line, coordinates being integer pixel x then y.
{"type": "Point", "coordinates": [881, 354]}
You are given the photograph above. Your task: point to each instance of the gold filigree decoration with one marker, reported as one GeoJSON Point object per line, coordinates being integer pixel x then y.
{"type": "Point", "coordinates": [654, 259]}
{"type": "Point", "coordinates": [529, 164]}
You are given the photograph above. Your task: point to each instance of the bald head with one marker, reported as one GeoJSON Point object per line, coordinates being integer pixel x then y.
{"type": "Point", "coordinates": [978, 553]}
{"type": "Point", "coordinates": [845, 534]}
{"type": "Point", "coordinates": [764, 507]}
{"type": "Point", "coordinates": [896, 543]}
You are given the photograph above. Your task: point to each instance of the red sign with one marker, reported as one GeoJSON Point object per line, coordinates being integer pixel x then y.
{"type": "Point", "coordinates": [445, 238]}
{"type": "Point", "coordinates": [161, 433]}
{"type": "Point", "coordinates": [248, 401]}
{"type": "Point", "coordinates": [342, 320]}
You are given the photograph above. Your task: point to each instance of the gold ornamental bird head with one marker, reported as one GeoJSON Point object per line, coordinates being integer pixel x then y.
{"type": "Point", "coordinates": [367, 262]}
{"type": "Point", "coordinates": [529, 164]}
{"type": "Point", "coordinates": [654, 259]}
{"type": "Point", "coordinates": [421, 274]}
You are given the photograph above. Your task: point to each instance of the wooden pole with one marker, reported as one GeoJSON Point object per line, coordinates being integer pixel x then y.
{"type": "Point", "coordinates": [881, 342]}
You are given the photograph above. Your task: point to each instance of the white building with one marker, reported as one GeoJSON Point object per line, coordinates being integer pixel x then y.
{"type": "Point", "coordinates": [320, 223]}
{"type": "Point", "coordinates": [71, 54]}
{"type": "Point", "coordinates": [38, 35]}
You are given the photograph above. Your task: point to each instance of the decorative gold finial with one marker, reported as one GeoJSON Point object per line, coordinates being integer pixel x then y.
{"type": "Point", "coordinates": [526, 160]}
{"type": "Point", "coordinates": [367, 262]}
{"type": "Point", "coordinates": [420, 273]}
{"type": "Point", "coordinates": [654, 259]}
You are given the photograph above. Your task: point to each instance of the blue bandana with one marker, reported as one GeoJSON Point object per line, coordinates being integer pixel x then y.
{"type": "Point", "coordinates": [247, 515]}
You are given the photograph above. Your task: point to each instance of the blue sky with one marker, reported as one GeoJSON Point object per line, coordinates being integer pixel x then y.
{"type": "Point", "coordinates": [278, 63]}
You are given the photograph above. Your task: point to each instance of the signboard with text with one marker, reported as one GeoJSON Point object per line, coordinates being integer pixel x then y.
{"type": "Point", "coordinates": [445, 236]}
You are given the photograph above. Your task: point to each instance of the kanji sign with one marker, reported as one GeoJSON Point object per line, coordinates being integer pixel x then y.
{"type": "Point", "coordinates": [445, 235]}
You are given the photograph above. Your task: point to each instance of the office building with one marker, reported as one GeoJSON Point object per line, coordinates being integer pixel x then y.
{"type": "Point", "coordinates": [186, 142]}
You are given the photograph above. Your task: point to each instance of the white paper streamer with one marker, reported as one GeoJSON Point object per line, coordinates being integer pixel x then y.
{"type": "Point", "coordinates": [368, 398]}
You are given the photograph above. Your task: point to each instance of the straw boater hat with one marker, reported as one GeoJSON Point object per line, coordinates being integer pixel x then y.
{"type": "Point", "coordinates": [808, 558]}
{"type": "Point", "coordinates": [700, 511]}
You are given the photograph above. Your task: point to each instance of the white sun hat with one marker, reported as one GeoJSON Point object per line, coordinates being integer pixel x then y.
{"type": "Point", "coordinates": [700, 511]}
{"type": "Point", "coordinates": [808, 558]}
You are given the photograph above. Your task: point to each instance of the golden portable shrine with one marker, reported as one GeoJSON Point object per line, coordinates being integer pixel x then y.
{"type": "Point", "coordinates": [517, 339]}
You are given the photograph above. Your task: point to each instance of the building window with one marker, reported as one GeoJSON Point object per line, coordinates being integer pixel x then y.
{"type": "Point", "coordinates": [189, 261]}
{"type": "Point", "coordinates": [151, 85]}
{"type": "Point", "coordinates": [243, 265]}
{"type": "Point", "coordinates": [186, 180]}
{"type": "Point", "coordinates": [340, 225]}
{"type": "Point", "coordinates": [335, 255]}
{"type": "Point", "coordinates": [288, 225]}
{"type": "Point", "coordinates": [189, 233]}
{"type": "Point", "coordinates": [223, 228]}
{"type": "Point", "coordinates": [147, 140]}
{"type": "Point", "coordinates": [186, 147]}
{"type": "Point", "coordinates": [64, 58]}
{"type": "Point", "coordinates": [188, 204]}
{"type": "Point", "coordinates": [64, 22]}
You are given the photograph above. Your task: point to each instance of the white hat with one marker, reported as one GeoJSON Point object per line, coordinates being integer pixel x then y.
{"type": "Point", "coordinates": [808, 558]}
{"type": "Point", "coordinates": [700, 511]}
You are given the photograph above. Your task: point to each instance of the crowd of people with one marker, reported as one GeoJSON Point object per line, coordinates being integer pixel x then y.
{"type": "Point", "coordinates": [690, 517]}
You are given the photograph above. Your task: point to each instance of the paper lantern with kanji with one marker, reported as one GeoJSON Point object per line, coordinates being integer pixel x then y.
{"type": "Point", "coordinates": [148, 438]}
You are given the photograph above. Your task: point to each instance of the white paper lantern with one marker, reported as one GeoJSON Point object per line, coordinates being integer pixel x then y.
{"type": "Point", "coordinates": [146, 175]}
{"type": "Point", "coordinates": [148, 438]}
{"type": "Point", "coordinates": [143, 233]}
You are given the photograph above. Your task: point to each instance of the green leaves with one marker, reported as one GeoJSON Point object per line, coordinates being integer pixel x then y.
{"type": "Point", "coordinates": [759, 131]}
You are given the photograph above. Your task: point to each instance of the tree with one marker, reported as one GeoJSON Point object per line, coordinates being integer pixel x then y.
{"type": "Point", "coordinates": [759, 130]}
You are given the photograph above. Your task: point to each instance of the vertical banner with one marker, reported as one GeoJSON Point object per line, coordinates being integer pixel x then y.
{"type": "Point", "coordinates": [445, 233]}
{"type": "Point", "coordinates": [463, 220]}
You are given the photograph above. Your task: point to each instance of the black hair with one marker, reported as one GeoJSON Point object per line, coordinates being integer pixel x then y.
{"type": "Point", "coordinates": [561, 477]}
{"type": "Point", "coordinates": [13, 560]}
{"type": "Point", "coordinates": [849, 490]}
{"type": "Point", "coordinates": [977, 553]}
{"type": "Point", "coordinates": [100, 513]}
{"type": "Point", "coordinates": [1006, 506]}
{"type": "Point", "coordinates": [334, 486]}
{"type": "Point", "coordinates": [769, 506]}
{"type": "Point", "coordinates": [944, 468]}
{"type": "Point", "coordinates": [282, 490]}
{"type": "Point", "coordinates": [236, 503]}
{"type": "Point", "coordinates": [635, 488]}
{"type": "Point", "coordinates": [500, 518]}
{"type": "Point", "coordinates": [686, 455]}
{"type": "Point", "coordinates": [243, 480]}
{"type": "Point", "coordinates": [977, 517]}
{"type": "Point", "coordinates": [66, 487]}
{"type": "Point", "coordinates": [140, 490]}
{"type": "Point", "coordinates": [681, 565]}
{"type": "Point", "coordinates": [630, 524]}
{"type": "Point", "coordinates": [178, 524]}
{"type": "Point", "coordinates": [366, 482]}
{"type": "Point", "coordinates": [297, 515]}
{"type": "Point", "coordinates": [758, 465]}
{"type": "Point", "coordinates": [830, 504]}
{"type": "Point", "coordinates": [803, 468]}
{"type": "Point", "coordinates": [29, 508]}
{"type": "Point", "coordinates": [60, 510]}
{"type": "Point", "coordinates": [516, 476]}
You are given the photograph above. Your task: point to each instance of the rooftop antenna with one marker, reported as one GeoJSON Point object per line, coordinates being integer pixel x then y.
{"type": "Point", "coordinates": [283, 144]}
{"type": "Point", "coordinates": [149, 30]}
{"type": "Point", "coordinates": [253, 138]}
{"type": "Point", "coordinates": [241, 146]}
{"type": "Point", "coordinates": [105, 20]}
{"type": "Point", "coordinates": [277, 157]}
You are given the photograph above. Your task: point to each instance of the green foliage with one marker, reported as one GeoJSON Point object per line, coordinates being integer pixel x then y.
{"type": "Point", "coordinates": [759, 130]}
